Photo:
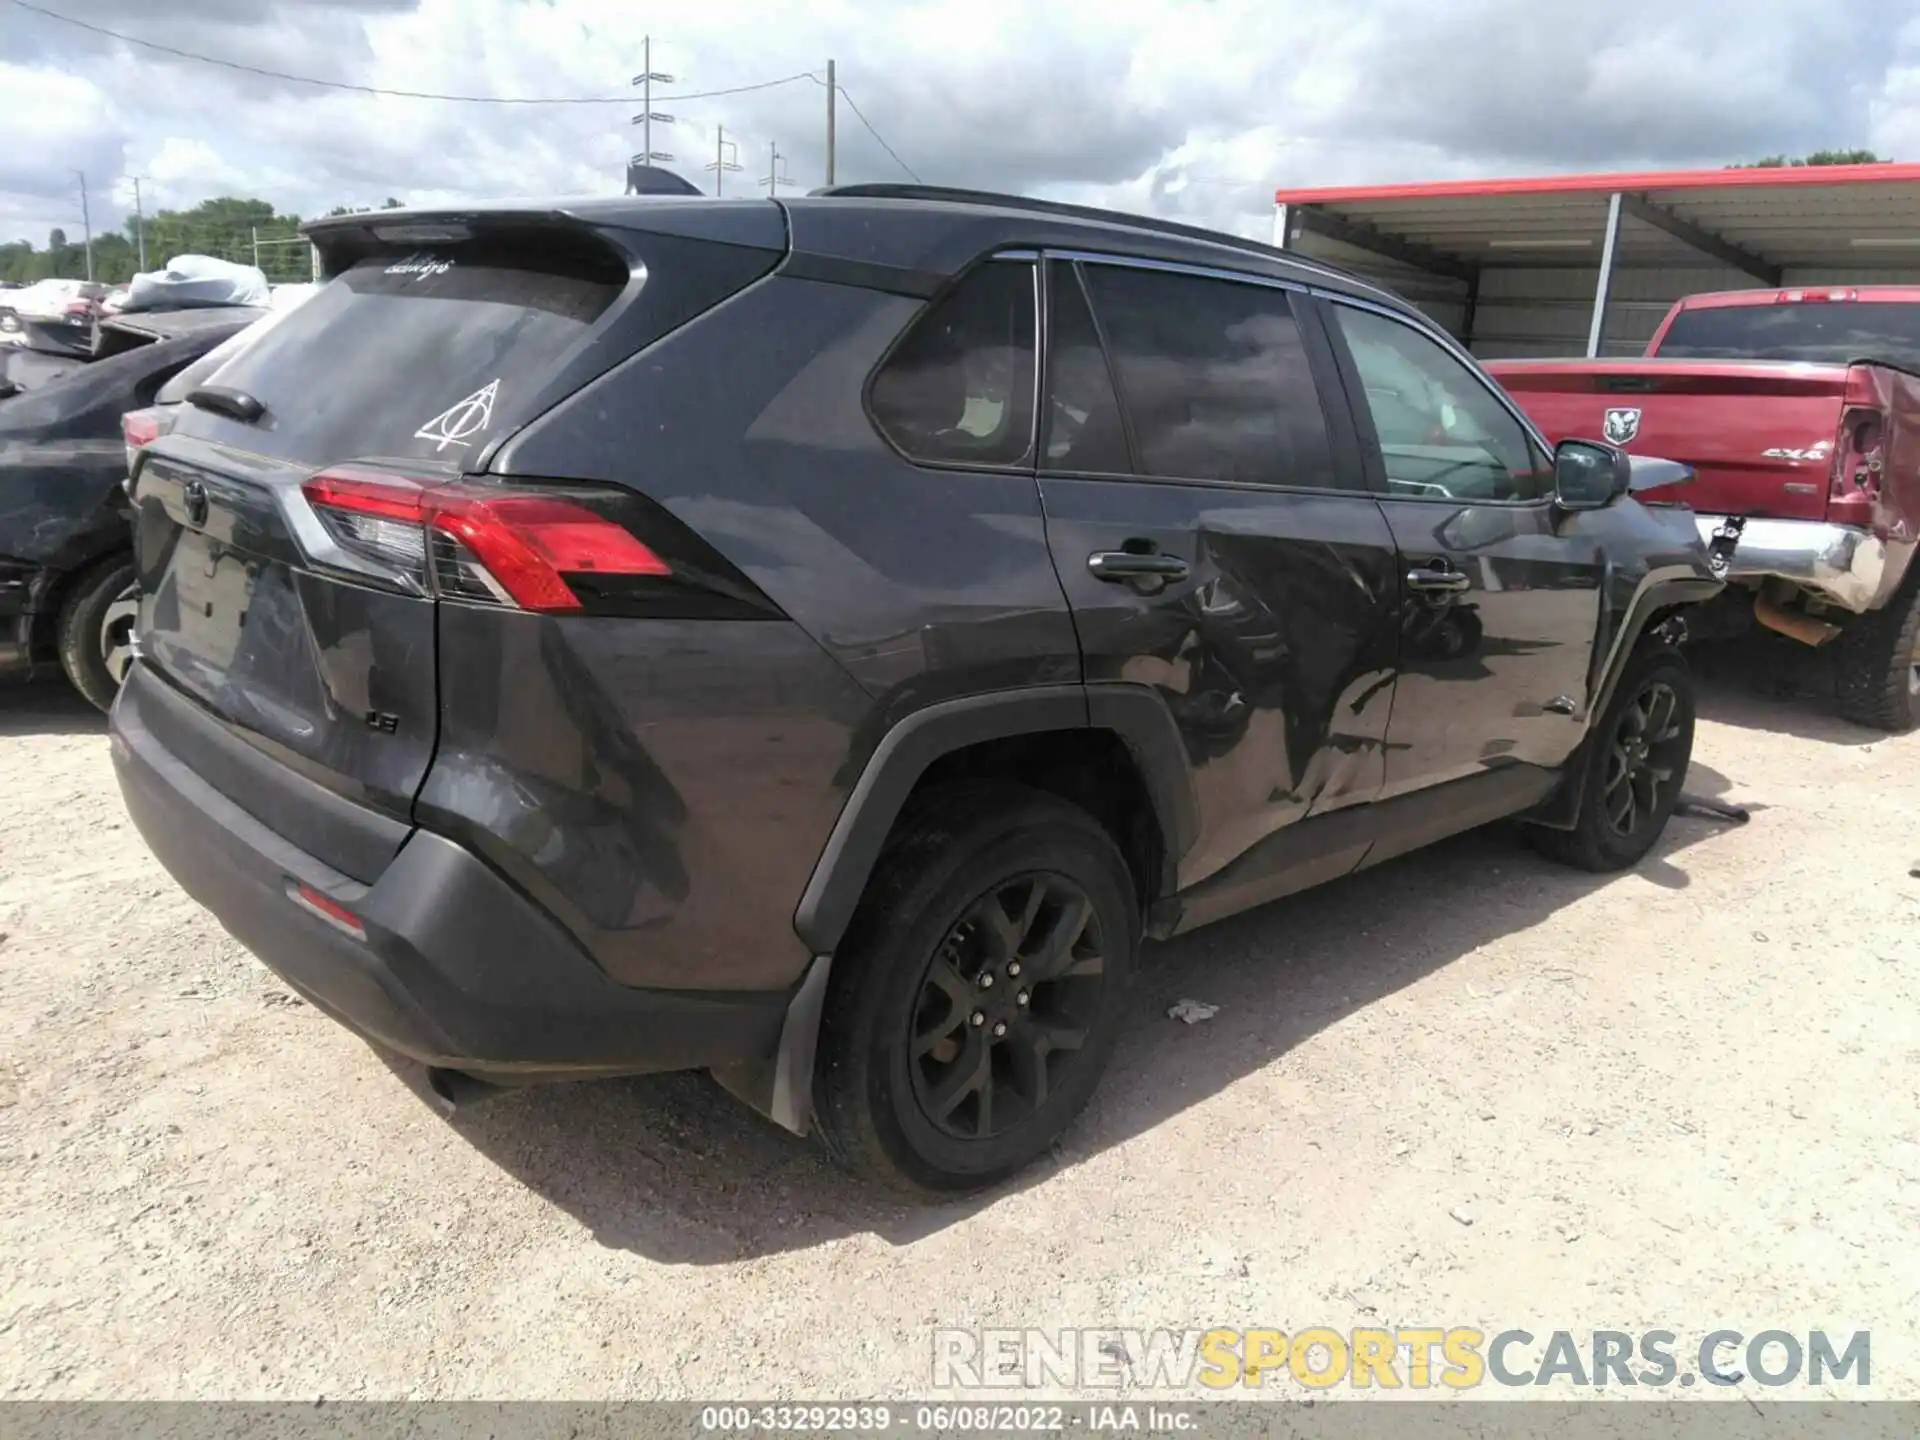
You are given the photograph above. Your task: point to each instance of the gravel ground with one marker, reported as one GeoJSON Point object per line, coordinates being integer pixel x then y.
{"type": "Point", "coordinates": [1468, 1088]}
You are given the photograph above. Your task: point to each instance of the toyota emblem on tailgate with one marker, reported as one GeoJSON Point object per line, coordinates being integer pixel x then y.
{"type": "Point", "coordinates": [1622, 425]}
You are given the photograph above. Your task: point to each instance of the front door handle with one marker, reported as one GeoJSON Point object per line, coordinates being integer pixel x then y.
{"type": "Point", "coordinates": [1123, 567]}
{"type": "Point", "coordinates": [1439, 582]}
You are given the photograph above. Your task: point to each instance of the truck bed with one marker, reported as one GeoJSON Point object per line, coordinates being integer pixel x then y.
{"type": "Point", "coordinates": [1759, 434]}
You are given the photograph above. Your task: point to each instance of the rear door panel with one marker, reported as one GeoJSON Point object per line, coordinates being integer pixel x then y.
{"type": "Point", "coordinates": [1275, 651]}
{"type": "Point", "coordinates": [1275, 656]}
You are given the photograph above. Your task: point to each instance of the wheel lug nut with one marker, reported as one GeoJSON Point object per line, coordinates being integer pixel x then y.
{"type": "Point", "coordinates": [1013, 967]}
{"type": "Point", "coordinates": [1022, 998]}
{"type": "Point", "coordinates": [1000, 1028]}
{"type": "Point", "coordinates": [986, 982]}
{"type": "Point", "coordinates": [979, 1018]}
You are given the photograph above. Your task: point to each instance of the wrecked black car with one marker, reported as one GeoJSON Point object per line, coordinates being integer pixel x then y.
{"type": "Point", "coordinates": [66, 546]}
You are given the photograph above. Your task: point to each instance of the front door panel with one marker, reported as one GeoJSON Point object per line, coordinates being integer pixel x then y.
{"type": "Point", "coordinates": [1497, 622]}
{"type": "Point", "coordinates": [1500, 598]}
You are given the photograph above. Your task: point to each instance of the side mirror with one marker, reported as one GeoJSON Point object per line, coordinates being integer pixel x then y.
{"type": "Point", "coordinates": [1588, 475]}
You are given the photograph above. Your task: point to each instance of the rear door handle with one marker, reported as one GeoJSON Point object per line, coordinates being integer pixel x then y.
{"type": "Point", "coordinates": [1148, 574]}
{"type": "Point", "coordinates": [1439, 582]}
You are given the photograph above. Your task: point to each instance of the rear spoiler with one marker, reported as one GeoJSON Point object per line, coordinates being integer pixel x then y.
{"type": "Point", "coordinates": [621, 225]}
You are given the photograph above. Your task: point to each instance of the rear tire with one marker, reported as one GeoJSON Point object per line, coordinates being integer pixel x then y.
{"type": "Point", "coordinates": [1635, 765]}
{"type": "Point", "coordinates": [1879, 662]}
{"type": "Point", "coordinates": [958, 1046]}
{"type": "Point", "coordinates": [82, 629]}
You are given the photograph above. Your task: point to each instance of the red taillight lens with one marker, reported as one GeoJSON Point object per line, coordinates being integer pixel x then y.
{"type": "Point", "coordinates": [1859, 456]}
{"type": "Point", "coordinates": [521, 545]}
{"type": "Point", "coordinates": [139, 428]}
{"type": "Point", "coordinates": [529, 543]}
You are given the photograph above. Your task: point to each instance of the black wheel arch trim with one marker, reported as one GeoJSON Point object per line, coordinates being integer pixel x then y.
{"type": "Point", "coordinates": [1656, 594]}
{"type": "Point", "coordinates": [1136, 713]}
{"type": "Point", "coordinates": [1561, 811]}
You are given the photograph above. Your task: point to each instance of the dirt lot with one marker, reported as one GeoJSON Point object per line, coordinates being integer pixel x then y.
{"type": "Point", "coordinates": [1680, 1098]}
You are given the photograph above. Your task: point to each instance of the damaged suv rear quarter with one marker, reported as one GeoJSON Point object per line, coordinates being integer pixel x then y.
{"type": "Point", "coordinates": [672, 634]}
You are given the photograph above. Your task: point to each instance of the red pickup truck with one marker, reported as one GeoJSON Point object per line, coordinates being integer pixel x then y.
{"type": "Point", "coordinates": [1799, 411]}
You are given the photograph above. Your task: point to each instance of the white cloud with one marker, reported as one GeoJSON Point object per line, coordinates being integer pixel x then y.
{"type": "Point", "coordinates": [1193, 109]}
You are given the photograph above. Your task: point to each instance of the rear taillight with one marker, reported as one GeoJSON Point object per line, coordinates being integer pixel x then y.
{"type": "Point", "coordinates": [140, 428]}
{"type": "Point", "coordinates": [483, 544]}
{"type": "Point", "coordinates": [1859, 457]}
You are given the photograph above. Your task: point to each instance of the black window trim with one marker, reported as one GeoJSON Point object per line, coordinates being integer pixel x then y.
{"type": "Point", "coordinates": [1047, 271]}
{"type": "Point", "coordinates": [1370, 451]}
{"type": "Point", "coordinates": [1346, 445]}
{"type": "Point", "coordinates": [1035, 264]}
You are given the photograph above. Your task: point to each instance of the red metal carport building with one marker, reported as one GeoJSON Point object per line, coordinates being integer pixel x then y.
{"type": "Point", "coordinates": [1587, 264]}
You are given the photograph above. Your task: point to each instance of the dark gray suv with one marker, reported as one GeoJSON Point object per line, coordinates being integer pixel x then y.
{"type": "Point", "coordinates": [817, 640]}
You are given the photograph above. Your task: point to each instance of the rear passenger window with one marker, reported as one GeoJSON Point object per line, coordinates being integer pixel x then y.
{"type": "Point", "coordinates": [958, 389]}
{"type": "Point", "coordinates": [1213, 377]}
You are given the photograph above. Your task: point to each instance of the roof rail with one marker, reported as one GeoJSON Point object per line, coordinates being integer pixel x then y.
{"type": "Point", "coordinates": [958, 196]}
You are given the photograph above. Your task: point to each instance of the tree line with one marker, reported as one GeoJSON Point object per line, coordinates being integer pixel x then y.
{"type": "Point", "coordinates": [245, 231]}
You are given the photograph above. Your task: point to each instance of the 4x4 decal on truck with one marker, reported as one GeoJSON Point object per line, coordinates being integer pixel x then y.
{"type": "Point", "coordinates": [456, 423]}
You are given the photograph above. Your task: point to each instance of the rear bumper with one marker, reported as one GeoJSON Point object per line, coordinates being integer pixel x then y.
{"type": "Point", "coordinates": [1844, 564]}
{"type": "Point", "coordinates": [457, 970]}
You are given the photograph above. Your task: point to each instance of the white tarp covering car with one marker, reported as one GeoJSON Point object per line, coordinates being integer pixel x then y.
{"type": "Point", "coordinates": [191, 280]}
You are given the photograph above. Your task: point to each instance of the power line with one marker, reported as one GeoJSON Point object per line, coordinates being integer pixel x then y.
{"type": "Point", "coordinates": [401, 94]}
{"type": "Point", "coordinates": [864, 121]}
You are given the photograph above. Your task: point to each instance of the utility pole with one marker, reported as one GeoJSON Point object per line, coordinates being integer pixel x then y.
{"type": "Point", "coordinates": [648, 116]}
{"type": "Point", "coordinates": [723, 152]}
{"type": "Point", "coordinates": [86, 222]}
{"type": "Point", "coordinates": [832, 90]}
{"type": "Point", "coordinates": [139, 223]}
{"type": "Point", "coordinates": [774, 175]}
{"type": "Point", "coordinates": [256, 247]}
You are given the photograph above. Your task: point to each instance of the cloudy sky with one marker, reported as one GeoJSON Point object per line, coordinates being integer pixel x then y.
{"type": "Point", "coordinates": [1186, 107]}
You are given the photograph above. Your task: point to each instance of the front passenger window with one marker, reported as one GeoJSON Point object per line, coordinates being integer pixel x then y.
{"type": "Point", "coordinates": [1443, 435]}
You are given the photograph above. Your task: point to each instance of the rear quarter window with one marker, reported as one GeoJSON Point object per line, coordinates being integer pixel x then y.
{"type": "Point", "coordinates": [413, 356]}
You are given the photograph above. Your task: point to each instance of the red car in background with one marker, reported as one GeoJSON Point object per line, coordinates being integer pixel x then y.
{"type": "Point", "coordinates": [1799, 412]}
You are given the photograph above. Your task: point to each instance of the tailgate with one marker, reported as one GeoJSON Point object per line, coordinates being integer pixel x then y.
{"type": "Point", "coordinates": [330, 678]}
{"type": "Point", "coordinates": [1759, 436]}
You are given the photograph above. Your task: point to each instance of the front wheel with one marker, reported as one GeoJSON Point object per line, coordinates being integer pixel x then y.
{"type": "Point", "coordinates": [979, 990]}
{"type": "Point", "coordinates": [1636, 762]}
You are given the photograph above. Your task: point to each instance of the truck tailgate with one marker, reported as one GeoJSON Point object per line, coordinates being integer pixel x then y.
{"type": "Point", "coordinates": [1759, 434]}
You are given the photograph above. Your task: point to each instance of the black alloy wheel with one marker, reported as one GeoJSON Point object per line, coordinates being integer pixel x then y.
{"type": "Point", "coordinates": [1006, 1005]}
{"type": "Point", "coordinates": [1646, 760]}
{"type": "Point", "coordinates": [979, 990]}
{"type": "Point", "coordinates": [1636, 759]}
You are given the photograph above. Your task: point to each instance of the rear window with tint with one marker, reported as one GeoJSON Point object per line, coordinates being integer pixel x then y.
{"type": "Point", "coordinates": [1820, 331]}
{"type": "Point", "coordinates": [414, 356]}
